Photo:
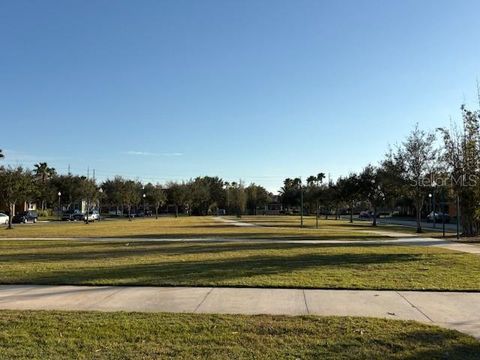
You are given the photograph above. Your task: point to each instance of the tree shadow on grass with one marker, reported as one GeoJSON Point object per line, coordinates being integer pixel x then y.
{"type": "Point", "coordinates": [117, 250]}
{"type": "Point", "coordinates": [434, 343]}
{"type": "Point", "coordinates": [232, 271]}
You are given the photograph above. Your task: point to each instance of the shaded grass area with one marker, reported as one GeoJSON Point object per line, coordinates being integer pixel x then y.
{"type": "Point", "coordinates": [249, 264]}
{"type": "Point", "coordinates": [188, 227]}
{"type": "Point", "coordinates": [93, 335]}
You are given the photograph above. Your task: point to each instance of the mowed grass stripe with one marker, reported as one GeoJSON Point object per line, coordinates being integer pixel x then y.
{"type": "Point", "coordinates": [249, 264]}
{"type": "Point", "coordinates": [190, 227]}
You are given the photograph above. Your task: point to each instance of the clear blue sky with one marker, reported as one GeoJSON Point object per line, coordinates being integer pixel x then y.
{"type": "Point", "coordinates": [252, 90]}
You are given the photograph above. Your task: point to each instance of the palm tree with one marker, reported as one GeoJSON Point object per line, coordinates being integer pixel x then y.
{"type": "Point", "coordinates": [320, 177]}
{"type": "Point", "coordinates": [43, 173]}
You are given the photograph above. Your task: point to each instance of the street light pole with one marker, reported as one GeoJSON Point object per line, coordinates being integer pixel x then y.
{"type": "Point", "coordinates": [458, 216]}
{"type": "Point", "coordinates": [144, 211]}
{"type": "Point", "coordinates": [431, 207]}
{"type": "Point", "coordinates": [59, 205]}
{"type": "Point", "coordinates": [442, 202]}
{"type": "Point", "coordinates": [434, 184]}
{"type": "Point", "coordinates": [99, 207]}
{"type": "Point", "coordinates": [301, 205]}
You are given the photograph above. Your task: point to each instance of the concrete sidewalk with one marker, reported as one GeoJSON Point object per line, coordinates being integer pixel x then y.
{"type": "Point", "coordinates": [454, 310]}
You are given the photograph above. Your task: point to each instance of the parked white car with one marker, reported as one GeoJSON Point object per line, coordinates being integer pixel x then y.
{"type": "Point", "coordinates": [4, 218]}
{"type": "Point", "coordinates": [93, 215]}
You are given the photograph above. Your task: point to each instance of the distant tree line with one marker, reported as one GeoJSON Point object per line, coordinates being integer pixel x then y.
{"type": "Point", "coordinates": [444, 162]}
{"type": "Point", "coordinates": [199, 196]}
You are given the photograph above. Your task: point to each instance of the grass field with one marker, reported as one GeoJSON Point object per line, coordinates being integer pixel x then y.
{"type": "Point", "coordinates": [271, 227]}
{"type": "Point", "coordinates": [90, 335]}
{"type": "Point", "coordinates": [187, 227]}
{"type": "Point", "coordinates": [237, 264]}
{"type": "Point", "coordinates": [309, 222]}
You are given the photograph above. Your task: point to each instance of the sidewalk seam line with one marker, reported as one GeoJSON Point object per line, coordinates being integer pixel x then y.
{"type": "Point", "coordinates": [115, 292]}
{"type": "Point", "coordinates": [305, 300]}
{"type": "Point", "coordinates": [414, 306]}
{"type": "Point", "coordinates": [203, 300]}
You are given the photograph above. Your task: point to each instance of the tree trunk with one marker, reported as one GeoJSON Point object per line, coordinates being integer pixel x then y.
{"type": "Point", "coordinates": [351, 213]}
{"type": "Point", "coordinates": [176, 210]}
{"type": "Point", "coordinates": [374, 223]}
{"type": "Point", "coordinates": [156, 212]}
{"type": "Point", "coordinates": [129, 213]}
{"type": "Point", "coordinates": [419, 216]}
{"type": "Point", "coordinates": [12, 210]}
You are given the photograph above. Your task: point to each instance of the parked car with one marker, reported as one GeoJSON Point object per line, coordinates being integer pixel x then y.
{"type": "Point", "coordinates": [73, 215]}
{"type": "Point", "coordinates": [438, 216]}
{"type": "Point", "coordinates": [4, 218]}
{"type": "Point", "coordinates": [93, 215]}
{"type": "Point", "coordinates": [25, 216]}
{"type": "Point", "coordinates": [69, 215]}
{"type": "Point", "coordinates": [115, 212]}
{"type": "Point", "coordinates": [367, 215]}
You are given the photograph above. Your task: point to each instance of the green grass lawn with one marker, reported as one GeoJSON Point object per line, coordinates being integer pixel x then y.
{"type": "Point", "coordinates": [237, 264]}
{"type": "Point", "coordinates": [94, 335]}
{"type": "Point", "coordinates": [309, 222]}
{"type": "Point", "coordinates": [188, 227]}
{"type": "Point", "coordinates": [271, 227]}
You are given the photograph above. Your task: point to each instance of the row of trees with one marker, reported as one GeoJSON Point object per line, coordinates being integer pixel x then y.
{"type": "Point", "coordinates": [445, 162]}
{"type": "Point", "coordinates": [199, 196]}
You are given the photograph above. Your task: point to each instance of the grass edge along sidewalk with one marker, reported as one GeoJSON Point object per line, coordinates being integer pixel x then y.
{"type": "Point", "coordinates": [40, 335]}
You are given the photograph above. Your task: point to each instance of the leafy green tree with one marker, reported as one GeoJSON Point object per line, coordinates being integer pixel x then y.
{"type": "Point", "coordinates": [256, 196]}
{"type": "Point", "coordinates": [112, 191]}
{"type": "Point", "coordinates": [131, 195]}
{"type": "Point", "coordinates": [290, 192]}
{"type": "Point", "coordinates": [70, 186]}
{"type": "Point", "coordinates": [16, 185]}
{"type": "Point", "coordinates": [349, 191]}
{"type": "Point", "coordinates": [156, 196]}
{"type": "Point", "coordinates": [461, 158]}
{"type": "Point", "coordinates": [370, 188]}
{"type": "Point", "coordinates": [43, 174]}
{"type": "Point", "coordinates": [206, 194]}
{"type": "Point", "coordinates": [177, 195]}
{"type": "Point", "coordinates": [418, 156]}
{"type": "Point", "coordinates": [237, 198]}
{"type": "Point", "coordinates": [313, 193]}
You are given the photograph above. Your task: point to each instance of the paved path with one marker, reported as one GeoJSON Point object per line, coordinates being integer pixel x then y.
{"type": "Point", "coordinates": [234, 222]}
{"type": "Point", "coordinates": [402, 240]}
{"type": "Point", "coordinates": [454, 310]}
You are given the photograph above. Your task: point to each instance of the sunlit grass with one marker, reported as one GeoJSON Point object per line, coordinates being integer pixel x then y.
{"type": "Point", "coordinates": [195, 227]}
{"type": "Point", "coordinates": [250, 264]}
{"type": "Point", "coordinates": [95, 335]}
